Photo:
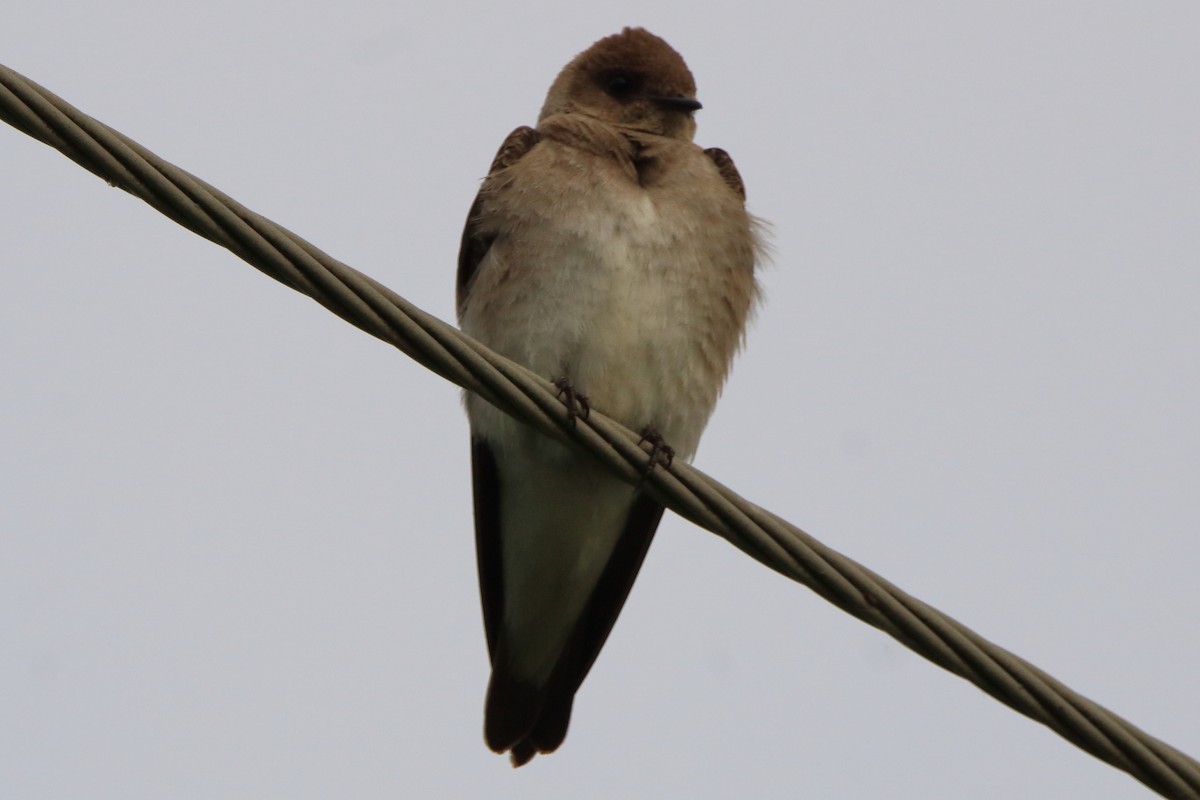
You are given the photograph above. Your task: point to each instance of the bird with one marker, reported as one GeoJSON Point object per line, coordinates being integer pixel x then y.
{"type": "Point", "coordinates": [609, 253]}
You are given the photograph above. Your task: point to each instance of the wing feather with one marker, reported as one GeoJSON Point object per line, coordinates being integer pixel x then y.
{"type": "Point", "coordinates": [728, 171]}
{"type": "Point", "coordinates": [477, 238]}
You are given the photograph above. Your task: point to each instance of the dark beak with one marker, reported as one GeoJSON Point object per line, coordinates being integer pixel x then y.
{"type": "Point", "coordinates": [678, 103]}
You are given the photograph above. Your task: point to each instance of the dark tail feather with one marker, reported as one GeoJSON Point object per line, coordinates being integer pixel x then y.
{"type": "Point", "coordinates": [528, 719]}
{"type": "Point", "coordinates": [550, 728]}
{"type": "Point", "coordinates": [511, 710]}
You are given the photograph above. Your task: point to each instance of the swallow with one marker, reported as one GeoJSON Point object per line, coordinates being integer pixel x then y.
{"type": "Point", "coordinates": [609, 253]}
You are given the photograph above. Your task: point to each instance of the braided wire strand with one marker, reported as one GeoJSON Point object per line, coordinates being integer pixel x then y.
{"type": "Point", "coordinates": [772, 541]}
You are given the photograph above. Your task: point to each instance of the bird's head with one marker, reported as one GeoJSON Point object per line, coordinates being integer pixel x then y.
{"type": "Point", "coordinates": [632, 79]}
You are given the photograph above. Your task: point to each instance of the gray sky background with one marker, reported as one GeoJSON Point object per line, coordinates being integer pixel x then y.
{"type": "Point", "coordinates": [235, 536]}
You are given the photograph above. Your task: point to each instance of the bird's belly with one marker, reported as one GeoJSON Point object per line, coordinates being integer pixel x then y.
{"type": "Point", "coordinates": [619, 303]}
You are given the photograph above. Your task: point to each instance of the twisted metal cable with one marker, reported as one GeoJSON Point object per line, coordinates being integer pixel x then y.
{"type": "Point", "coordinates": [440, 347]}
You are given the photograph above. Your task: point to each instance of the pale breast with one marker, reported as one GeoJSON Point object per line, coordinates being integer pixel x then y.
{"type": "Point", "coordinates": [638, 294]}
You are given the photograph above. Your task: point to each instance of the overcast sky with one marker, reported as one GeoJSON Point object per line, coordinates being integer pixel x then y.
{"type": "Point", "coordinates": [236, 549]}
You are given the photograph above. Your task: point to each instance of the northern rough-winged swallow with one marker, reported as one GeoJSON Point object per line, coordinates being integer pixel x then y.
{"type": "Point", "coordinates": [607, 252]}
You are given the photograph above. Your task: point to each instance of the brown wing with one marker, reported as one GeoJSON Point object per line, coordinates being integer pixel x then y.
{"type": "Point", "coordinates": [727, 169]}
{"type": "Point", "coordinates": [476, 240]}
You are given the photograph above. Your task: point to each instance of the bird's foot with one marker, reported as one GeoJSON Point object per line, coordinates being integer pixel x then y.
{"type": "Point", "coordinates": [661, 453]}
{"type": "Point", "coordinates": [576, 403]}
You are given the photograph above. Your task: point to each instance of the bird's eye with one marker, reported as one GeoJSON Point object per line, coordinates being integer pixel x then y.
{"type": "Point", "coordinates": [620, 85]}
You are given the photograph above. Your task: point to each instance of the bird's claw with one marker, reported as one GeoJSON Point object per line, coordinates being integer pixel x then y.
{"type": "Point", "coordinates": [577, 403]}
{"type": "Point", "coordinates": [661, 453]}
